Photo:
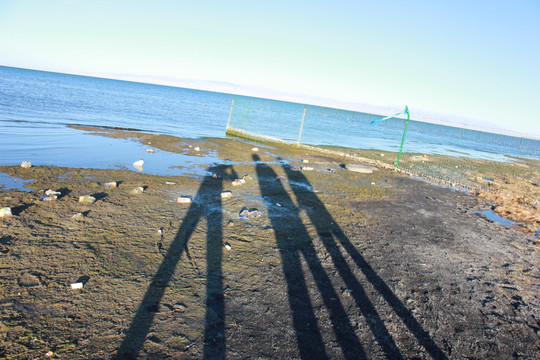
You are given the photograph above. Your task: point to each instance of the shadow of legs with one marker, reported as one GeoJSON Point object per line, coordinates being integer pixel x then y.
{"type": "Point", "coordinates": [329, 229]}
{"type": "Point", "coordinates": [293, 241]}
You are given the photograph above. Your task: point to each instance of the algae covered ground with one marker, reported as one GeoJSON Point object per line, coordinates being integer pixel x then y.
{"type": "Point", "coordinates": [339, 264]}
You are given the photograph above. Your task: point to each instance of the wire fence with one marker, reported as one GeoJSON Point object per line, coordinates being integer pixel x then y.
{"type": "Point", "coordinates": [316, 125]}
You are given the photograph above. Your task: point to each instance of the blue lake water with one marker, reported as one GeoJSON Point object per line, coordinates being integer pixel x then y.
{"type": "Point", "coordinates": [37, 106]}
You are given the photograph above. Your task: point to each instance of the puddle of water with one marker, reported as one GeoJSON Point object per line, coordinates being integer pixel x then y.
{"type": "Point", "coordinates": [453, 188]}
{"type": "Point", "coordinates": [10, 182]}
{"type": "Point", "coordinates": [492, 216]}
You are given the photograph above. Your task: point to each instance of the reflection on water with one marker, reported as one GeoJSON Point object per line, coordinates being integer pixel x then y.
{"type": "Point", "coordinates": [63, 146]}
{"type": "Point", "coordinates": [489, 214]}
{"type": "Point", "coordinates": [9, 182]}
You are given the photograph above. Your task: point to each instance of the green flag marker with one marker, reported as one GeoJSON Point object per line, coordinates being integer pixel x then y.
{"type": "Point", "coordinates": [406, 111]}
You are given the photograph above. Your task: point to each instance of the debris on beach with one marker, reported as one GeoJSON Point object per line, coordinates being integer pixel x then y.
{"type": "Point", "coordinates": [26, 164]}
{"type": "Point", "coordinates": [226, 194]}
{"type": "Point", "coordinates": [237, 182]}
{"type": "Point", "coordinates": [87, 199]}
{"type": "Point", "coordinates": [184, 200]}
{"type": "Point", "coordinates": [249, 213]}
{"type": "Point", "coordinates": [306, 168]}
{"type": "Point", "coordinates": [197, 148]}
{"type": "Point", "coordinates": [281, 178]}
{"type": "Point", "coordinates": [150, 151]}
{"type": "Point", "coordinates": [111, 184]}
{"type": "Point", "coordinates": [5, 212]}
{"type": "Point", "coordinates": [50, 195]}
{"type": "Point", "coordinates": [215, 176]}
{"type": "Point", "coordinates": [137, 190]}
{"type": "Point", "coordinates": [305, 161]}
{"type": "Point", "coordinates": [360, 168]}
{"type": "Point", "coordinates": [170, 183]}
{"type": "Point", "coordinates": [255, 149]}
{"type": "Point", "coordinates": [228, 246]}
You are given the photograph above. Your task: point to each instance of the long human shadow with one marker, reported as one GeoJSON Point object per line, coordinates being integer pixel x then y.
{"type": "Point", "coordinates": [293, 242]}
{"type": "Point", "coordinates": [329, 230]}
{"type": "Point", "coordinates": [207, 203]}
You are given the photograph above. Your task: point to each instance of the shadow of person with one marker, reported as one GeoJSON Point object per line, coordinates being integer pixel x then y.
{"type": "Point", "coordinates": [207, 203]}
{"type": "Point", "coordinates": [328, 231]}
{"type": "Point", "coordinates": [294, 242]}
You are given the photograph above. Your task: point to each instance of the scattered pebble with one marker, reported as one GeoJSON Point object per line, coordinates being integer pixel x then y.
{"type": "Point", "coordinates": [228, 246]}
{"type": "Point", "coordinates": [150, 151]}
{"type": "Point", "coordinates": [255, 149]}
{"type": "Point", "coordinates": [77, 285]}
{"type": "Point", "coordinates": [87, 199]}
{"type": "Point", "coordinates": [197, 148]}
{"type": "Point", "coordinates": [78, 216]}
{"type": "Point", "coordinates": [26, 164]}
{"type": "Point", "coordinates": [360, 168]}
{"type": "Point", "coordinates": [230, 223]}
{"type": "Point", "coordinates": [215, 176]}
{"type": "Point", "coordinates": [184, 200]}
{"type": "Point", "coordinates": [5, 211]}
{"type": "Point", "coordinates": [372, 183]}
{"type": "Point", "coordinates": [226, 194]}
{"type": "Point", "coordinates": [170, 183]}
{"type": "Point", "coordinates": [307, 168]}
{"type": "Point", "coordinates": [111, 184]}
{"type": "Point", "coordinates": [49, 354]}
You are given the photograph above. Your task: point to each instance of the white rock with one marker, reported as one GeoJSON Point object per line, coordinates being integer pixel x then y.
{"type": "Point", "coordinates": [4, 212]}
{"type": "Point", "coordinates": [360, 168]}
{"type": "Point", "coordinates": [255, 149]}
{"type": "Point", "coordinates": [138, 163]}
{"type": "Point", "coordinates": [77, 285]}
{"type": "Point", "coordinates": [184, 200]}
{"type": "Point", "coordinates": [26, 164]}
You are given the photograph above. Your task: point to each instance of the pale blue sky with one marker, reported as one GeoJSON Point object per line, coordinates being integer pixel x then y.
{"type": "Point", "coordinates": [473, 59]}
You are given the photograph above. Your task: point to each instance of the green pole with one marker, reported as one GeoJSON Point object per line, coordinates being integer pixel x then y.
{"type": "Point", "coordinates": [403, 138]}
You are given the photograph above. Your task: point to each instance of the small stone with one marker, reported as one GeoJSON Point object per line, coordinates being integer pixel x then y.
{"type": "Point", "coordinates": [138, 163]}
{"type": "Point", "coordinates": [228, 246]}
{"type": "Point", "coordinates": [5, 212]}
{"type": "Point", "coordinates": [226, 194]}
{"type": "Point", "coordinates": [78, 216]}
{"type": "Point", "coordinates": [307, 168]}
{"type": "Point", "coordinates": [170, 183]}
{"type": "Point", "coordinates": [111, 184]}
{"type": "Point", "coordinates": [150, 151]}
{"type": "Point", "coordinates": [184, 200]}
{"type": "Point", "coordinates": [255, 149]}
{"type": "Point", "coordinates": [230, 223]}
{"type": "Point", "coordinates": [77, 285]}
{"type": "Point", "coordinates": [360, 168]}
{"type": "Point", "coordinates": [49, 354]}
{"type": "Point", "coordinates": [28, 280]}
{"type": "Point", "coordinates": [238, 182]}
{"type": "Point", "coordinates": [305, 161]}
{"type": "Point", "coordinates": [87, 199]}
{"type": "Point", "coordinates": [26, 164]}
{"type": "Point", "coordinates": [197, 148]}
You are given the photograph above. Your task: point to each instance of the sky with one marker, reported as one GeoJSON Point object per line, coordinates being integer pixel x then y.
{"type": "Point", "coordinates": [474, 63]}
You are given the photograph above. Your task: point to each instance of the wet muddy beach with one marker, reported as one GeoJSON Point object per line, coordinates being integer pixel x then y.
{"type": "Point", "coordinates": [327, 263]}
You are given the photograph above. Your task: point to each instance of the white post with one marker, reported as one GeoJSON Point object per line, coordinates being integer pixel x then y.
{"type": "Point", "coordinates": [301, 126]}
{"type": "Point", "coordinates": [230, 114]}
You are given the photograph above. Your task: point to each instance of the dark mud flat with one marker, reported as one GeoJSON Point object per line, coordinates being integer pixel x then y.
{"type": "Point", "coordinates": [340, 265]}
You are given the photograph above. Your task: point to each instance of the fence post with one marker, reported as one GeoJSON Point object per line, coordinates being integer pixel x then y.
{"type": "Point", "coordinates": [301, 126]}
{"type": "Point", "coordinates": [230, 114]}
